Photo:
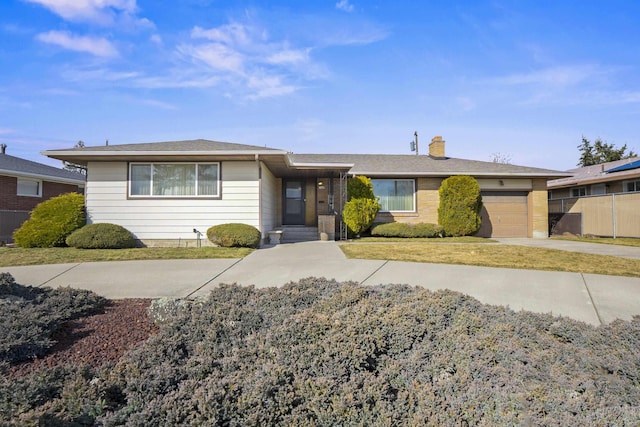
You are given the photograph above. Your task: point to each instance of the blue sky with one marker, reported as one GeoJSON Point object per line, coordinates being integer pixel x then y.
{"type": "Point", "coordinates": [526, 79]}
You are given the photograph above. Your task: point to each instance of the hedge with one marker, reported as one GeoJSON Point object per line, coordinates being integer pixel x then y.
{"type": "Point", "coordinates": [234, 235]}
{"type": "Point", "coordinates": [51, 222]}
{"type": "Point", "coordinates": [101, 236]}
{"type": "Point", "coordinates": [408, 230]}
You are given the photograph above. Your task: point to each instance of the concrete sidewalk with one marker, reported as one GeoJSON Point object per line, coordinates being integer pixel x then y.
{"type": "Point", "coordinates": [590, 298]}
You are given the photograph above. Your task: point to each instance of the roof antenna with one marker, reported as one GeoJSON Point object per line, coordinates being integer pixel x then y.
{"type": "Point", "coordinates": [414, 144]}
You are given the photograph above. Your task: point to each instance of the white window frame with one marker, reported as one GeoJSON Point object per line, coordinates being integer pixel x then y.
{"type": "Point", "coordinates": [636, 185]}
{"type": "Point", "coordinates": [31, 181]}
{"type": "Point", "coordinates": [413, 184]}
{"type": "Point", "coordinates": [189, 196]}
{"type": "Point", "coordinates": [582, 191]}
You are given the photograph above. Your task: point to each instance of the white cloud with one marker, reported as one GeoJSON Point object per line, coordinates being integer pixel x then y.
{"type": "Point", "coordinates": [289, 56]}
{"type": "Point", "coordinates": [97, 46]}
{"type": "Point", "coordinates": [103, 12]}
{"type": "Point", "coordinates": [268, 86]}
{"type": "Point", "coordinates": [216, 56]}
{"type": "Point", "coordinates": [344, 5]}
{"type": "Point", "coordinates": [556, 76]}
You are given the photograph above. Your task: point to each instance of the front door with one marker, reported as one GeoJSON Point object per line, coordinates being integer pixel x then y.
{"type": "Point", "coordinates": [294, 202]}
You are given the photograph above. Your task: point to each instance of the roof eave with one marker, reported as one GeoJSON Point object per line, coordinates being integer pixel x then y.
{"type": "Point", "coordinates": [42, 177]}
{"type": "Point", "coordinates": [450, 173]}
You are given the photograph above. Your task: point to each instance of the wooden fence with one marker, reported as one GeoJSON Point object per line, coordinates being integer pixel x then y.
{"type": "Point", "coordinates": [611, 215]}
{"type": "Point", "coordinates": [9, 222]}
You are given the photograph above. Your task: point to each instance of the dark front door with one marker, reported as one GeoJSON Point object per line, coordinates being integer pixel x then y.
{"type": "Point", "coordinates": [294, 209]}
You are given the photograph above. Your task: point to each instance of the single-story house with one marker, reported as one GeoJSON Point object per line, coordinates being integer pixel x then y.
{"type": "Point", "coordinates": [621, 176]}
{"type": "Point", "coordinates": [603, 200]}
{"type": "Point", "coordinates": [165, 192]}
{"type": "Point", "coordinates": [24, 184]}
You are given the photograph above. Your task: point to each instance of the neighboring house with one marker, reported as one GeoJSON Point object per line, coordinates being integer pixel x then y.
{"type": "Point", "coordinates": [24, 184]}
{"type": "Point", "coordinates": [164, 191]}
{"type": "Point", "coordinates": [602, 200]}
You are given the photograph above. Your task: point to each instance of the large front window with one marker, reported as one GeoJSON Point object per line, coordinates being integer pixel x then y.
{"type": "Point", "coordinates": [174, 180]}
{"type": "Point", "coordinates": [395, 195]}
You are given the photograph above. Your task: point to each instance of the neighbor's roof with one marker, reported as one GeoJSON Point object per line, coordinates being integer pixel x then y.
{"type": "Point", "coordinates": [423, 165]}
{"type": "Point", "coordinates": [15, 166]}
{"type": "Point", "coordinates": [605, 172]}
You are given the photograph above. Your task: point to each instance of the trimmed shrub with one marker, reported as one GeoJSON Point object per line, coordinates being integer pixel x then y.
{"type": "Point", "coordinates": [359, 187]}
{"type": "Point", "coordinates": [359, 214]}
{"type": "Point", "coordinates": [460, 205]}
{"type": "Point", "coordinates": [401, 229]}
{"type": "Point", "coordinates": [101, 236]}
{"type": "Point", "coordinates": [30, 315]}
{"type": "Point", "coordinates": [51, 222]}
{"type": "Point", "coordinates": [234, 235]}
{"type": "Point", "coordinates": [319, 352]}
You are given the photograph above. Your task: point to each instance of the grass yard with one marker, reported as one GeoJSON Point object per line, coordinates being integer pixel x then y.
{"type": "Point", "coordinates": [38, 256]}
{"type": "Point", "coordinates": [622, 241]}
{"type": "Point", "coordinates": [494, 256]}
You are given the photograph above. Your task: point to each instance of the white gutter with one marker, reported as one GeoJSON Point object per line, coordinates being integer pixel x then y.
{"type": "Point", "coordinates": [314, 165]}
{"type": "Point", "coordinates": [129, 153]}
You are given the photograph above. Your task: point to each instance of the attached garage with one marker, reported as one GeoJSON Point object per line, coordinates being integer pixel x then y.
{"type": "Point", "coordinates": [504, 214]}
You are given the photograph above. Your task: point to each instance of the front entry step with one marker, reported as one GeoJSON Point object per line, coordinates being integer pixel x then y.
{"type": "Point", "coordinates": [298, 233]}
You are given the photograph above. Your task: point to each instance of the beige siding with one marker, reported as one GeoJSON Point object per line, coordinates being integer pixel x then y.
{"type": "Point", "coordinates": [597, 214]}
{"type": "Point", "coordinates": [269, 200]}
{"type": "Point", "coordinates": [172, 219]}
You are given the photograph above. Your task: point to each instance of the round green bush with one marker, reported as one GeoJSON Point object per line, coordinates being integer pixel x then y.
{"type": "Point", "coordinates": [360, 187]}
{"type": "Point", "coordinates": [460, 205]}
{"type": "Point", "coordinates": [101, 236]}
{"type": "Point", "coordinates": [359, 214]}
{"type": "Point", "coordinates": [401, 229]}
{"type": "Point", "coordinates": [234, 235]}
{"type": "Point", "coordinates": [51, 222]}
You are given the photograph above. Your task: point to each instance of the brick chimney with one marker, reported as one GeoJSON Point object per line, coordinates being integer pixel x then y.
{"type": "Point", "coordinates": [436, 148]}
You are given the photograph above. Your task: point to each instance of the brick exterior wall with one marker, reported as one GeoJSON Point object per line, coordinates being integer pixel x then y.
{"type": "Point", "coordinates": [9, 200]}
{"type": "Point", "coordinates": [538, 209]}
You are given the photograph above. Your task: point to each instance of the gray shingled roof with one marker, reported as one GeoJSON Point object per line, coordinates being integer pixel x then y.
{"type": "Point", "coordinates": [186, 146]}
{"type": "Point", "coordinates": [15, 165]}
{"type": "Point", "coordinates": [596, 173]}
{"type": "Point", "coordinates": [423, 165]}
{"type": "Point", "coordinates": [364, 164]}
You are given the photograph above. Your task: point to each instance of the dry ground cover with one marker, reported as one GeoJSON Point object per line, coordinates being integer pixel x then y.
{"type": "Point", "coordinates": [622, 241]}
{"type": "Point", "coordinates": [322, 353]}
{"type": "Point", "coordinates": [38, 256]}
{"type": "Point", "coordinates": [490, 255]}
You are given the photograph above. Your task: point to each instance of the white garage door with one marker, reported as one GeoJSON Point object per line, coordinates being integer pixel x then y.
{"type": "Point", "coordinates": [504, 214]}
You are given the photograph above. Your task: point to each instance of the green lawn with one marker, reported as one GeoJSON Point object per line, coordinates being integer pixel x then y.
{"type": "Point", "coordinates": [36, 256]}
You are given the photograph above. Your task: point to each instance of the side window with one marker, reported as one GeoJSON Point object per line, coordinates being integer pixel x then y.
{"type": "Point", "coordinates": [29, 187]}
{"type": "Point", "coordinates": [579, 192]}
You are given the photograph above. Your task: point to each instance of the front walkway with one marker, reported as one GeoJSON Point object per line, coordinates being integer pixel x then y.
{"type": "Point", "coordinates": [594, 299]}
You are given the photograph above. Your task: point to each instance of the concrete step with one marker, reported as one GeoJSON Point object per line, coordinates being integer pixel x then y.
{"type": "Point", "coordinates": [295, 234]}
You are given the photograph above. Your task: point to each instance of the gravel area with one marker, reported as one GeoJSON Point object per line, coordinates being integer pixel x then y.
{"type": "Point", "coordinates": [97, 339]}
